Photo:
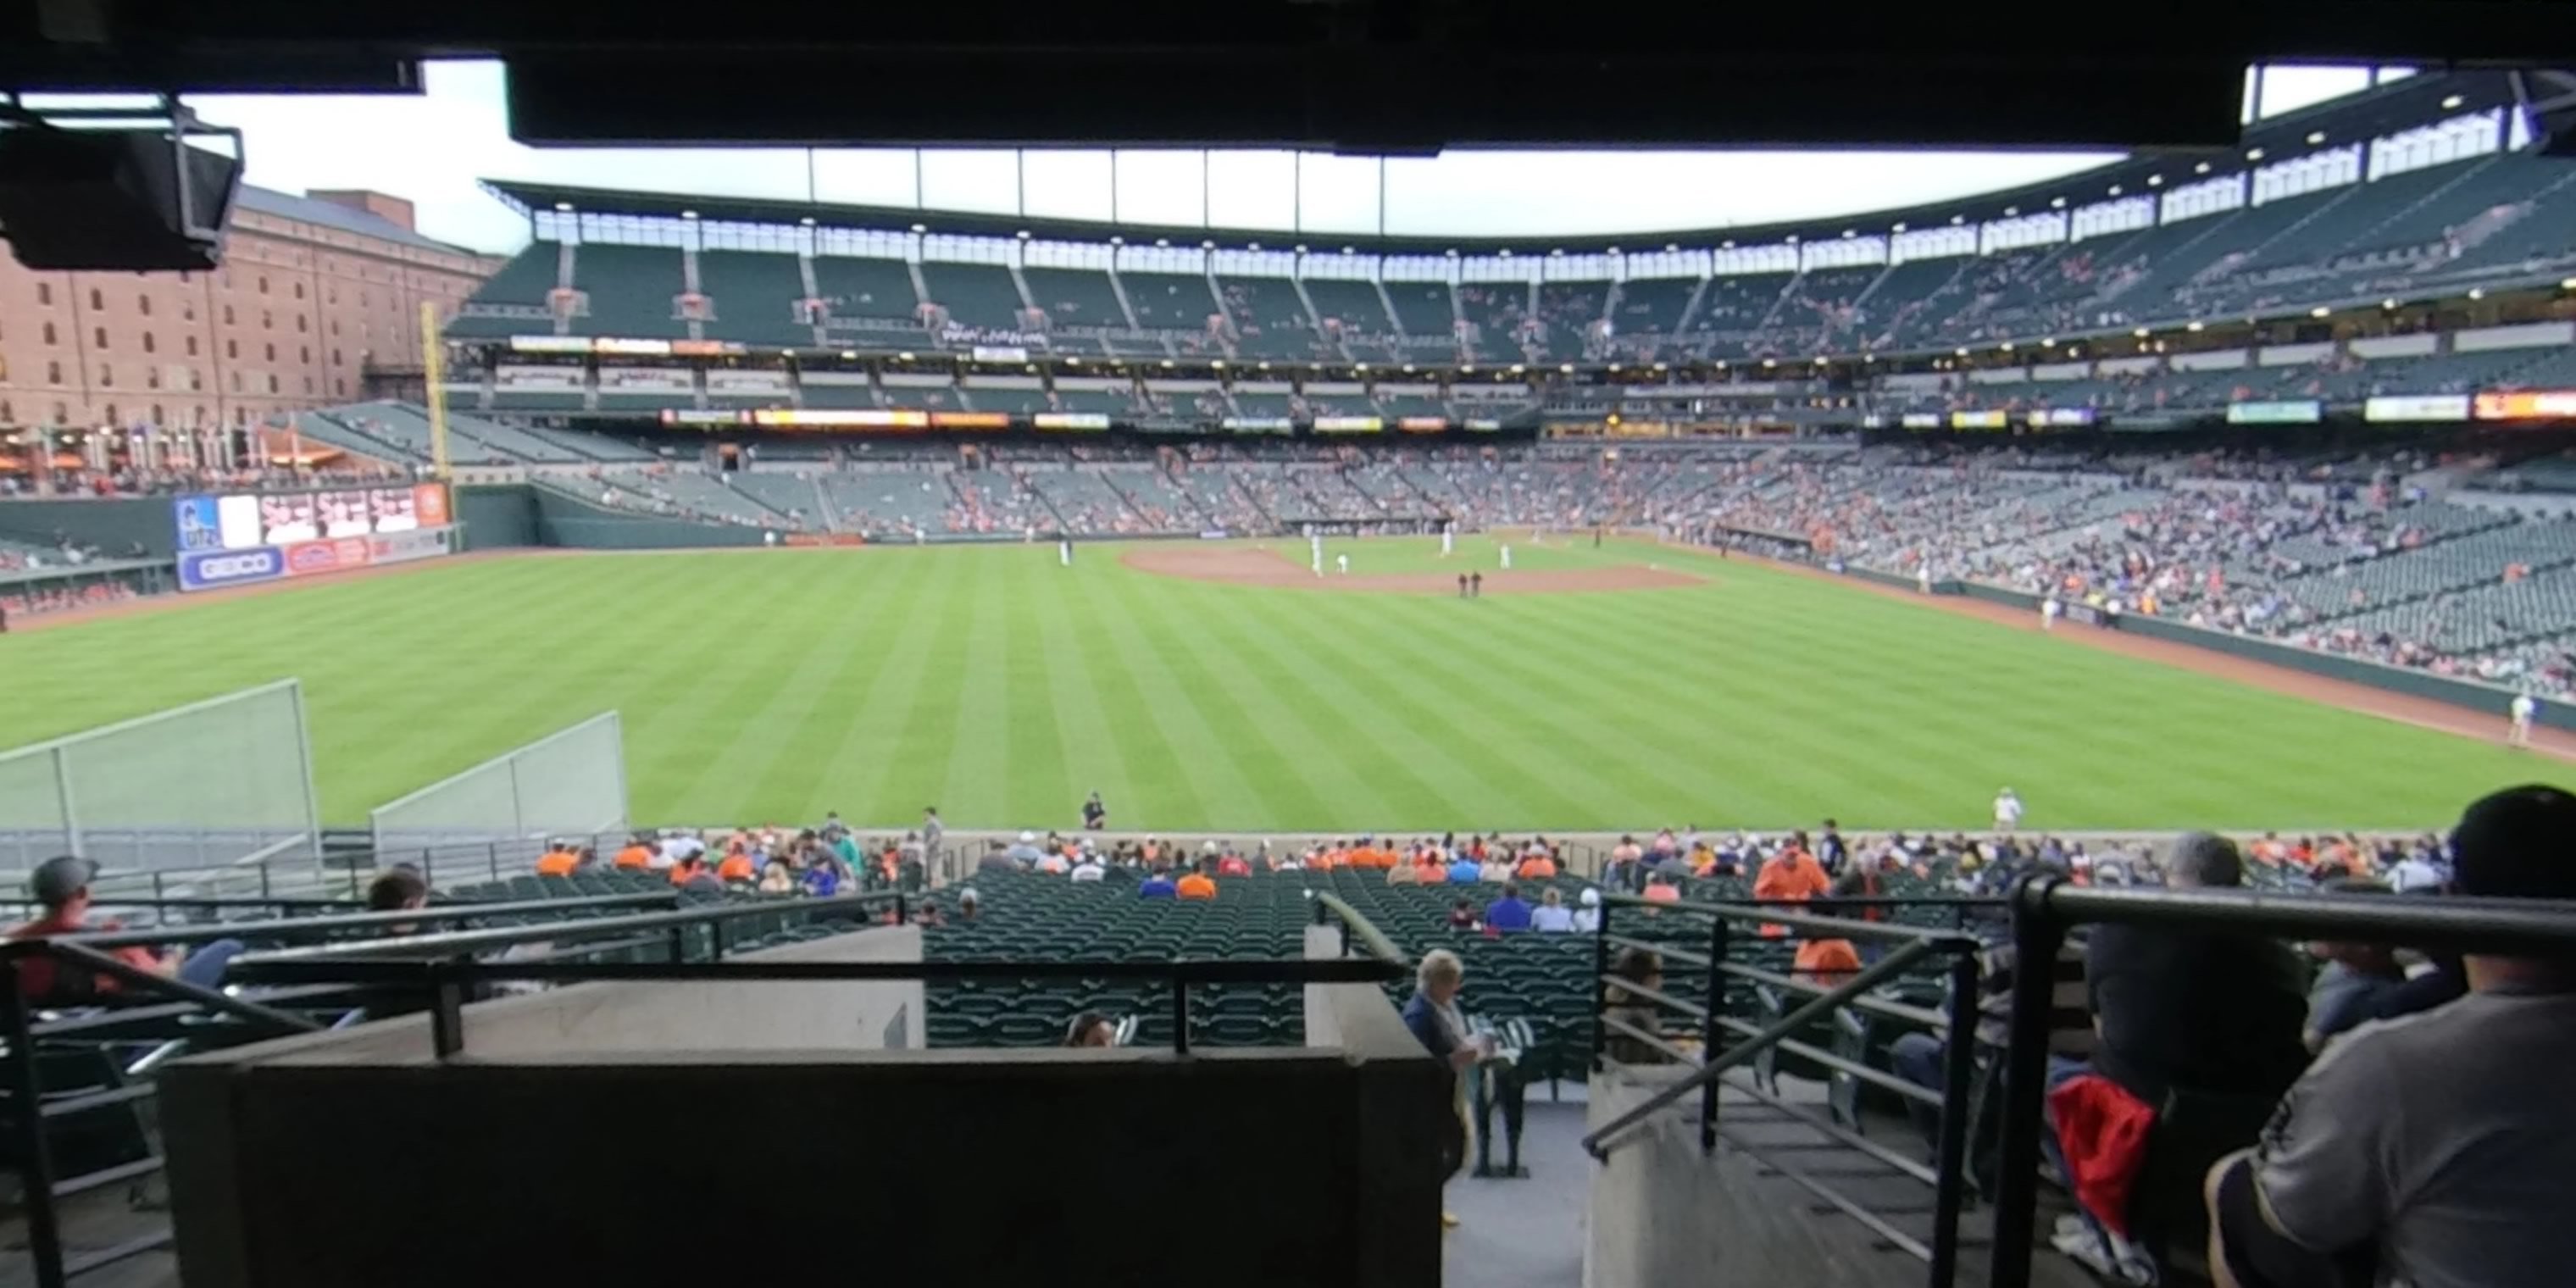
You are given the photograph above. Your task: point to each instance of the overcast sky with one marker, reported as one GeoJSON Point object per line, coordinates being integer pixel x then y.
{"type": "Point", "coordinates": [432, 147]}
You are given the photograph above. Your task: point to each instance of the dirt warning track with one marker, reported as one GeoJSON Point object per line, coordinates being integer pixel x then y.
{"type": "Point", "coordinates": [1236, 566]}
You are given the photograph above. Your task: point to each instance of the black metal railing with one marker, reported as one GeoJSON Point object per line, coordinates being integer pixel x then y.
{"type": "Point", "coordinates": [1908, 948]}
{"type": "Point", "coordinates": [1357, 930]}
{"type": "Point", "coordinates": [153, 1009]}
{"type": "Point", "coordinates": [2044, 907]}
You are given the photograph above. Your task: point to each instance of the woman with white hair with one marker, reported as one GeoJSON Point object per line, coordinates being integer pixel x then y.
{"type": "Point", "coordinates": [1441, 1027]}
{"type": "Point", "coordinates": [1587, 918]}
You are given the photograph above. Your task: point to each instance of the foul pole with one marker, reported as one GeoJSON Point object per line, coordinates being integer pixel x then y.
{"type": "Point", "coordinates": [433, 367]}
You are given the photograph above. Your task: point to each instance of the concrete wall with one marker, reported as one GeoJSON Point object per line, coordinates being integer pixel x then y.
{"type": "Point", "coordinates": [639, 1152]}
{"type": "Point", "coordinates": [111, 524]}
{"type": "Point", "coordinates": [497, 518]}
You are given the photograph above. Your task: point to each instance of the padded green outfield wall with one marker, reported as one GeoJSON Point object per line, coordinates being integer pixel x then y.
{"type": "Point", "coordinates": [2486, 699]}
{"type": "Point", "coordinates": [111, 523]}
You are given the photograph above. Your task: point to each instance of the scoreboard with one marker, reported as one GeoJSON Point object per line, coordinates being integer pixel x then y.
{"type": "Point", "coordinates": [233, 538]}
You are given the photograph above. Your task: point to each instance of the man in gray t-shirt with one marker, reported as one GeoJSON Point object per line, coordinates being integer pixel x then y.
{"type": "Point", "coordinates": [2437, 1150]}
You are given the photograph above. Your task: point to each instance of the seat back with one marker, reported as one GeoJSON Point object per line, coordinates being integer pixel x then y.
{"type": "Point", "coordinates": [2193, 1130]}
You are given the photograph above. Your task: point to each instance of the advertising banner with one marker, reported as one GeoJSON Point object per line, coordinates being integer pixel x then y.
{"type": "Point", "coordinates": [208, 569]}
{"type": "Point", "coordinates": [2060, 417]}
{"type": "Point", "coordinates": [2443, 407]}
{"type": "Point", "coordinates": [825, 539]}
{"type": "Point", "coordinates": [640, 348]}
{"type": "Point", "coordinates": [1483, 424]}
{"type": "Point", "coordinates": [1069, 420]}
{"type": "Point", "coordinates": [2306, 411]}
{"type": "Point", "coordinates": [1976, 420]}
{"type": "Point", "coordinates": [1348, 424]}
{"type": "Point", "coordinates": [791, 418]}
{"type": "Point", "coordinates": [687, 416]}
{"type": "Point", "coordinates": [2528, 404]}
{"type": "Point", "coordinates": [1422, 424]}
{"type": "Point", "coordinates": [200, 528]}
{"type": "Point", "coordinates": [970, 420]}
{"type": "Point", "coordinates": [403, 547]}
{"type": "Point", "coordinates": [307, 558]}
{"type": "Point", "coordinates": [550, 343]}
{"type": "Point", "coordinates": [1000, 353]}
{"type": "Point", "coordinates": [1257, 424]}
{"type": "Point", "coordinates": [1922, 420]}
{"type": "Point", "coordinates": [705, 348]}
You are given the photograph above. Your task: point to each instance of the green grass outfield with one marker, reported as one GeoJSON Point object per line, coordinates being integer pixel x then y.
{"type": "Point", "coordinates": [774, 685]}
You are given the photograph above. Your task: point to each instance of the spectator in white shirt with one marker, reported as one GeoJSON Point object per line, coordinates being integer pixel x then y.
{"type": "Point", "coordinates": [1587, 918]}
{"type": "Point", "coordinates": [1552, 914]}
{"type": "Point", "coordinates": [1054, 864]}
{"type": "Point", "coordinates": [676, 849]}
{"type": "Point", "coordinates": [1089, 869]}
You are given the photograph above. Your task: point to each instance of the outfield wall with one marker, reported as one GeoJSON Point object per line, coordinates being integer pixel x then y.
{"type": "Point", "coordinates": [109, 523]}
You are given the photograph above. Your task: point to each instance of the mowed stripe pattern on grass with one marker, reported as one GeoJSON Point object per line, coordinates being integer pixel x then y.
{"type": "Point", "coordinates": [762, 686]}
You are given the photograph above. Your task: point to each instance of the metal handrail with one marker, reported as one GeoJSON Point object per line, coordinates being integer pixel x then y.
{"type": "Point", "coordinates": [1813, 924]}
{"type": "Point", "coordinates": [472, 941]}
{"type": "Point", "coordinates": [1355, 926]}
{"type": "Point", "coordinates": [307, 927]}
{"type": "Point", "coordinates": [2044, 906]}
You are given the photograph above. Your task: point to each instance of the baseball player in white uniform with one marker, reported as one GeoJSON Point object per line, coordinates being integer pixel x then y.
{"type": "Point", "coordinates": [1064, 552]}
{"type": "Point", "coordinates": [1507, 558]}
{"type": "Point", "coordinates": [1344, 563]}
{"type": "Point", "coordinates": [1448, 536]}
{"type": "Point", "coordinates": [1315, 547]}
{"type": "Point", "coordinates": [2525, 709]}
{"type": "Point", "coordinates": [2050, 609]}
{"type": "Point", "coordinates": [2007, 811]}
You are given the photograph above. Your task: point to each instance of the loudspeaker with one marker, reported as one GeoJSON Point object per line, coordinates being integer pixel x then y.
{"type": "Point", "coordinates": [109, 200]}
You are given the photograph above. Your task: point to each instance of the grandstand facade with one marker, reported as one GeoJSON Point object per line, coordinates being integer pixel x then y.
{"type": "Point", "coordinates": [2405, 242]}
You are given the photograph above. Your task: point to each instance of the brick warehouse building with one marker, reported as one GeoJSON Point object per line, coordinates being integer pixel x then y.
{"type": "Point", "coordinates": [315, 294]}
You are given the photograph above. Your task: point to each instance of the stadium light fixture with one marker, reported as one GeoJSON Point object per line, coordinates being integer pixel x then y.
{"type": "Point", "coordinates": [921, 228]}
{"type": "Point", "coordinates": [1265, 366]}
{"type": "Point", "coordinates": [849, 355]}
{"type": "Point", "coordinates": [903, 357]}
{"type": "Point", "coordinates": [2319, 311]}
{"type": "Point", "coordinates": [1565, 368]}
{"type": "Point", "coordinates": [1793, 239]}
{"type": "Point", "coordinates": [1614, 250]}
{"type": "Point", "coordinates": [1672, 247]}
{"type": "Point", "coordinates": [1504, 253]}
{"type": "Point", "coordinates": [1209, 244]}
{"type": "Point", "coordinates": [2115, 190]}
{"type": "Point", "coordinates": [564, 206]}
{"type": "Point", "coordinates": [2012, 212]}
{"type": "Point", "coordinates": [1556, 252]}
{"type": "Point", "coordinates": [2141, 333]}
{"type": "Point", "coordinates": [2253, 154]}
{"type": "Point", "coordinates": [2452, 102]}
{"type": "Point", "coordinates": [1072, 360]}
{"type": "Point", "coordinates": [1726, 245]}
{"type": "Point", "coordinates": [2567, 283]}
{"type": "Point", "coordinates": [2389, 304]}
{"type": "Point", "coordinates": [807, 221]}
{"type": "Point", "coordinates": [688, 214]}
{"type": "Point", "coordinates": [1167, 364]}
{"type": "Point", "coordinates": [2006, 346]}
{"type": "Point", "coordinates": [1850, 233]}
{"type": "Point", "coordinates": [1452, 252]}
{"type": "Point", "coordinates": [2196, 326]}
{"type": "Point", "coordinates": [1301, 248]}
{"type": "Point", "coordinates": [1218, 364]}
{"type": "Point", "coordinates": [2048, 342]}
{"type": "Point", "coordinates": [1721, 364]}
{"type": "Point", "coordinates": [1956, 220]}
{"type": "Point", "coordinates": [2057, 203]}
{"type": "Point", "coordinates": [1350, 250]}
{"type": "Point", "coordinates": [1252, 245]}
{"type": "Point", "coordinates": [2155, 181]}
{"type": "Point", "coordinates": [1163, 241]}
{"type": "Point", "coordinates": [1963, 353]}
{"type": "Point", "coordinates": [1661, 367]}
{"type": "Point", "coordinates": [2477, 292]}
{"type": "Point", "coordinates": [2316, 137]}
{"type": "Point", "coordinates": [1869, 357]}
{"type": "Point", "coordinates": [1471, 367]}
{"type": "Point", "coordinates": [1897, 228]}
{"type": "Point", "coordinates": [2202, 168]}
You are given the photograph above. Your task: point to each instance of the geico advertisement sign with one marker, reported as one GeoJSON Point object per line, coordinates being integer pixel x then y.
{"type": "Point", "coordinates": [305, 558]}
{"type": "Point", "coordinates": [201, 571]}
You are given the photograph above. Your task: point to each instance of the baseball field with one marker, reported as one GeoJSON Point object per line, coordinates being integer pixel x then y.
{"type": "Point", "coordinates": [1225, 686]}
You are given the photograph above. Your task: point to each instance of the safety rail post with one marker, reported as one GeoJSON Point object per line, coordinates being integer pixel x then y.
{"type": "Point", "coordinates": [1180, 1012]}
{"type": "Point", "coordinates": [491, 859]}
{"type": "Point", "coordinates": [35, 1155]}
{"type": "Point", "coordinates": [679, 944]}
{"type": "Point", "coordinates": [158, 892]}
{"type": "Point", "coordinates": [1958, 1072]}
{"type": "Point", "coordinates": [1601, 967]}
{"type": "Point", "coordinates": [2037, 935]}
{"type": "Point", "coordinates": [446, 1009]}
{"type": "Point", "coordinates": [264, 890]}
{"type": "Point", "coordinates": [428, 869]}
{"type": "Point", "coordinates": [1716, 1002]}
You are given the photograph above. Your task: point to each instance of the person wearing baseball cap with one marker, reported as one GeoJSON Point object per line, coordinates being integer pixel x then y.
{"type": "Point", "coordinates": [2437, 1149]}
{"type": "Point", "coordinates": [61, 886]}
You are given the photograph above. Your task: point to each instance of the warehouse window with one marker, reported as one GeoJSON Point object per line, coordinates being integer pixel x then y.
{"type": "Point", "coordinates": [272, 382]}
{"type": "Point", "coordinates": [50, 338]}
{"type": "Point", "coordinates": [97, 302]}
{"type": "Point", "coordinates": [45, 296]}
{"type": "Point", "coordinates": [232, 348]}
{"type": "Point", "coordinates": [53, 373]}
{"type": "Point", "coordinates": [150, 344]}
{"type": "Point", "coordinates": [98, 338]}
{"type": "Point", "coordinates": [192, 346]}
{"type": "Point", "coordinates": [143, 304]}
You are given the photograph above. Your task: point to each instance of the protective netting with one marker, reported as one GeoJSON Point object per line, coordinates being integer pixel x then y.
{"type": "Point", "coordinates": [568, 783]}
{"type": "Point", "coordinates": [218, 782]}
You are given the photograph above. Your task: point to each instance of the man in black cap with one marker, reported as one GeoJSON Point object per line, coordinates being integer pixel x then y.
{"type": "Point", "coordinates": [61, 885]}
{"type": "Point", "coordinates": [2438, 1149]}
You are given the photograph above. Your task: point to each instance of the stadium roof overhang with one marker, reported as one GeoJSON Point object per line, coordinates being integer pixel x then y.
{"type": "Point", "coordinates": [1360, 75]}
{"type": "Point", "coordinates": [2395, 106]}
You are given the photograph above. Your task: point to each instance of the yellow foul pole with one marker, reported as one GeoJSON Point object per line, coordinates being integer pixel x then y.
{"type": "Point", "coordinates": [433, 364]}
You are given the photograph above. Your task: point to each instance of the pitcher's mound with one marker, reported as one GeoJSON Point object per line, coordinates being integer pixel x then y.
{"type": "Point", "coordinates": [1240, 567]}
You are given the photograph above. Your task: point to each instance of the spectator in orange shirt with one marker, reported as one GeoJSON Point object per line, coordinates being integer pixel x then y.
{"type": "Point", "coordinates": [736, 866]}
{"type": "Point", "coordinates": [1790, 874]}
{"type": "Point", "coordinates": [558, 861]}
{"type": "Point", "coordinates": [1196, 885]}
{"type": "Point", "coordinates": [1825, 962]}
{"type": "Point", "coordinates": [636, 857]}
{"type": "Point", "coordinates": [1661, 887]}
{"type": "Point", "coordinates": [1537, 867]}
